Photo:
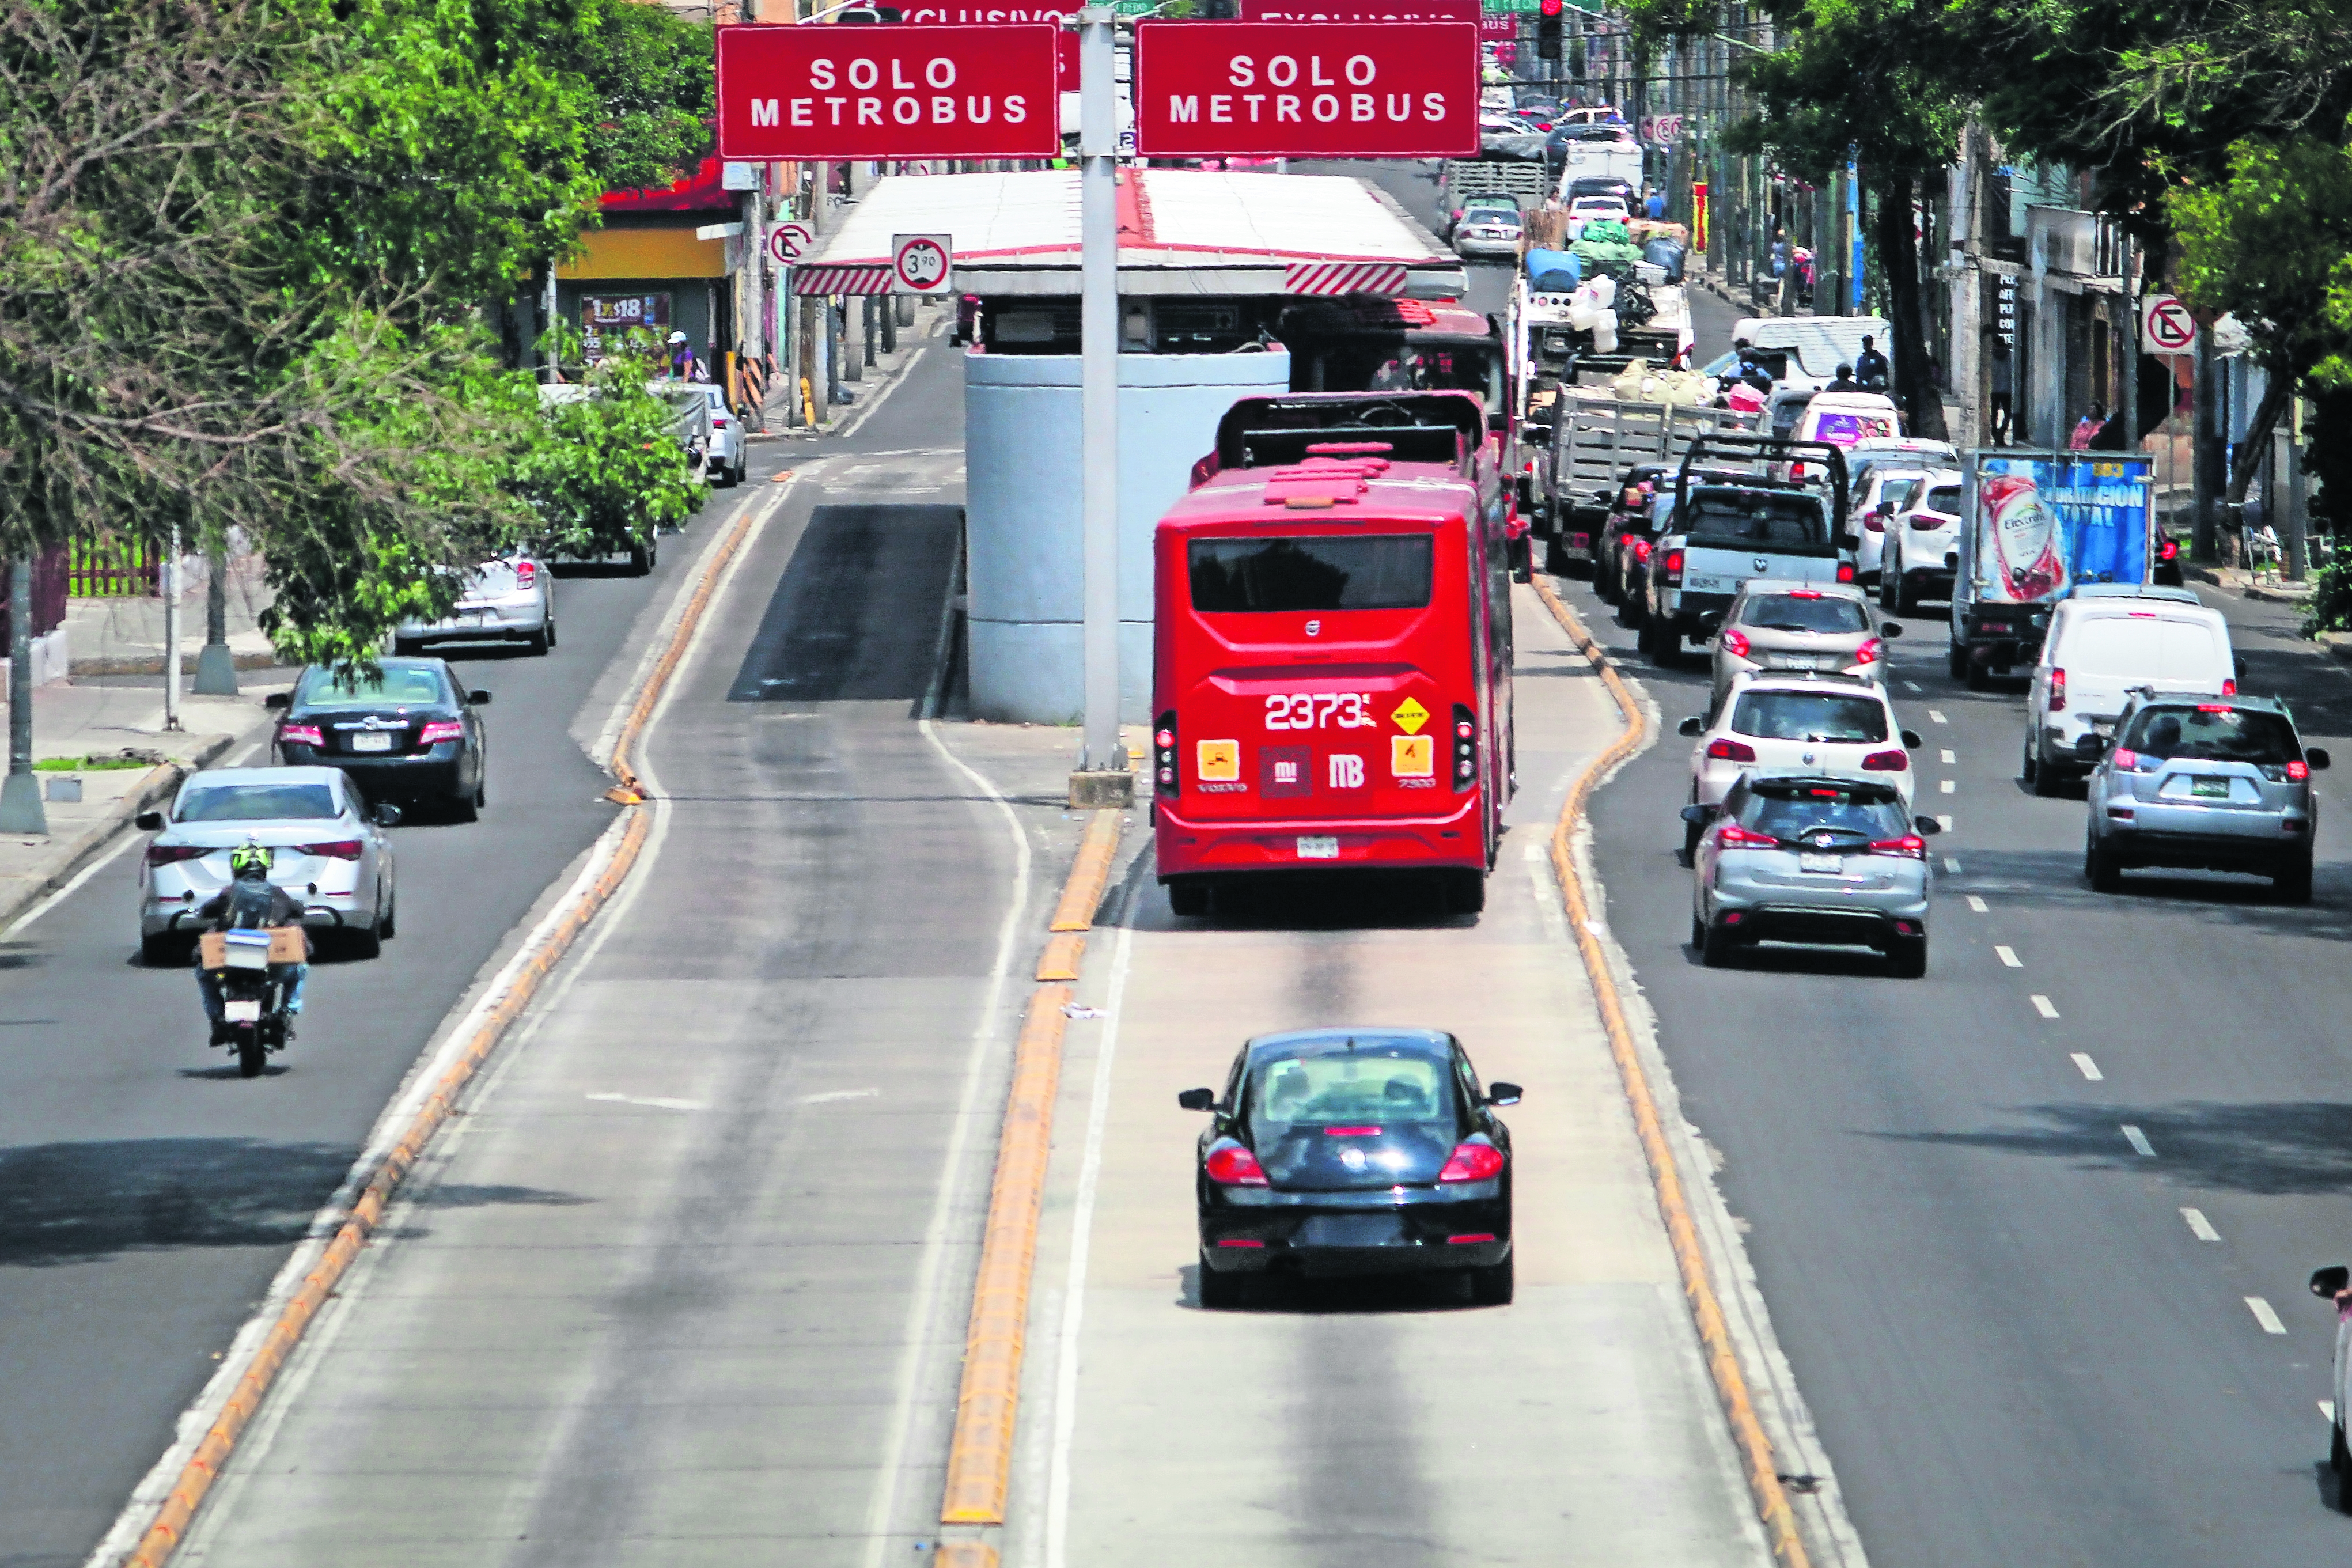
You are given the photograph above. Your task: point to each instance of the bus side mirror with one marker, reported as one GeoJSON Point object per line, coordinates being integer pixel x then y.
{"type": "Point", "coordinates": [1693, 725]}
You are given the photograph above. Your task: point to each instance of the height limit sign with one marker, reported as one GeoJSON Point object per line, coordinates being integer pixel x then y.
{"type": "Point", "coordinates": [921, 264]}
{"type": "Point", "coordinates": [2166, 327]}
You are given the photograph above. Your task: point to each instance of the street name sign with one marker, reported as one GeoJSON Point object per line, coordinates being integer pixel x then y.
{"type": "Point", "coordinates": [921, 264]}
{"type": "Point", "coordinates": [819, 92]}
{"type": "Point", "coordinates": [1307, 90]}
{"type": "Point", "coordinates": [2166, 327]}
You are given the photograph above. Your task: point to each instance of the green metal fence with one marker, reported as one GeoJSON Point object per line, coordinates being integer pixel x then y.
{"type": "Point", "coordinates": [116, 568]}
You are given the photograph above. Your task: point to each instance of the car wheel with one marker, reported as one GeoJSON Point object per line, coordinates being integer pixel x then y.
{"type": "Point", "coordinates": [388, 925]}
{"type": "Point", "coordinates": [1907, 958]}
{"type": "Point", "coordinates": [2029, 766]}
{"type": "Point", "coordinates": [2048, 781]}
{"type": "Point", "coordinates": [1555, 557]}
{"type": "Point", "coordinates": [1906, 598]}
{"type": "Point", "coordinates": [1188, 899]}
{"type": "Point", "coordinates": [1690, 832]}
{"type": "Point", "coordinates": [1698, 931]}
{"type": "Point", "coordinates": [2292, 882]}
{"type": "Point", "coordinates": [1975, 675]}
{"type": "Point", "coordinates": [1717, 948]}
{"type": "Point", "coordinates": [1887, 577]}
{"type": "Point", "coordinates": [464, 807]}
{"type": "Point", "coordinates": [163, 950]}
{"type": "Point", "coordinates": [1958, 661]}
{"type": "Point", "coordinates": [2099, 866]}
{"type": "Point", "coordinates": [364, 941]}
{"type": "Point", "coordinates": [2340, 1459]}
{"type": "Point", "coordinates": [551, 631]}
{"type": "Point", "coordinates": [538, 642]}
{"type": "Point", "coordinates": [1493, 1286]}
{"type": "Point", "coordinates": [1219, 1293]}
{"type": "Point", "coordinates": [641, 559]}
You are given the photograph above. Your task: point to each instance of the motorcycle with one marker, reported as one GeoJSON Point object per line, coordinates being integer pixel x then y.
{"type": "Point", "coordinates": [253, 994]}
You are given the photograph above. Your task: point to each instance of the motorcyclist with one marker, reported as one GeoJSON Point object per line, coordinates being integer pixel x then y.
{"type": "Point", "coordinates": [1870, 367]}
{"type": "Point", "coordinates": [251, 902]}
{"type": "Point", "coordinates": [1845, 382]}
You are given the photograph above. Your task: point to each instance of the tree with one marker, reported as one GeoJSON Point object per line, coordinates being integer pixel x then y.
{"type": "Point", "coordinates": [607, 470]}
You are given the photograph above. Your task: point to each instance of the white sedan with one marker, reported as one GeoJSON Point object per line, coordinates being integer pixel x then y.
{"type": "Point", "coordinates": [1829, 724]}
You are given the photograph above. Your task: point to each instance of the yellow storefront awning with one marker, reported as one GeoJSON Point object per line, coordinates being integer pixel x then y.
{"type": "Point", "coordinates": [645, 253]}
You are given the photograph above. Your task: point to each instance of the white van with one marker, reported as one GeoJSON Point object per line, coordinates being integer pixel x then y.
{"type": "Point", "coordinates": [2105, 640]}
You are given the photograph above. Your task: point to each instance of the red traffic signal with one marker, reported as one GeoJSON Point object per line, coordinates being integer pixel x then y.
{"type": "Point", "coordinates": [1550, 8]}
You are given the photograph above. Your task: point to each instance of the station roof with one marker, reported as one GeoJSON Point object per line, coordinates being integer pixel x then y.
{"type": "Point", "coordinates": [1180, 231]}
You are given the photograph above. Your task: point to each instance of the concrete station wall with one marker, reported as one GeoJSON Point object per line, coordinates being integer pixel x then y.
{"type": "Point", "coordinates": [1023, 500]}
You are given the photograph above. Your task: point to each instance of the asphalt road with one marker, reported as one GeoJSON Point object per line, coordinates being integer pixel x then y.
{"type": "Point", "coordinates": [689, 1284]}
{"type": "Point", "coordinates": [147, 1194]}
{"type": "Point", "coordinates": [2027, 1336]}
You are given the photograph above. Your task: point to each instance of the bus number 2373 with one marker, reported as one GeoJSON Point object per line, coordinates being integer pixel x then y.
{"type": "Point", "coordinates": [1319, 710]}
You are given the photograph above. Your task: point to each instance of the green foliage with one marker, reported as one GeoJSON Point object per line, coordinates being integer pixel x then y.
{"type": "Point", "coordinates": [2272, 241]}
{"type": "Point", "coordinates": [607, 470]}
{"type": "Point", "coordinates": [2330, 609]}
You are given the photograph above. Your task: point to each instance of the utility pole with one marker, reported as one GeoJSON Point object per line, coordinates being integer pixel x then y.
{"type": "Point", "coordinates": [20, 795]}
{"type": "Point", "coordinates": [1102, 778]}
{"type": "Point", "coordinates": [171, 635]}
{"type": "Point", "coordinates": [215, 665]}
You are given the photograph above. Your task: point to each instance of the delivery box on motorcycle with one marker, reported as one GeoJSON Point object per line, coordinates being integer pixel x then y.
{"type": "Point", "coordinates": [288, 945]}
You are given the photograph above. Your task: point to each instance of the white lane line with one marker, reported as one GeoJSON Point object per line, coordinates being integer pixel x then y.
{"type": "Point", "coordinates": [2138, 1140]}
{"type": "Point", "coordinates": [656, 1102]}
{"type": "Point", "coordinates": [2266, 1314]}
{"type": "Point", "coordinates": [2042, 1005]}
{"type": "Point", "coordinates": [1555, 924]}
{"type": "Point", "coordinates": [1949, 757]}
{"type": "Point", "coordinates": [2087, 1068]}
{"type": "Point", "coordinates": [831, 1096]}
{"type": "Point", "coordinates": [1945, 822]}
{"type": "Point", "coordinates": [2327, 1410]}
{"type": "Point", "coordinates": [1976, 903]}
{"type": "Point", "coordinates": [1948, 786]}
{"type": "Point", "coordinates": [2199, 1226]}
{"type": "Point", "coordinates": [1951, 862]}
{"type": "Point", "coordinates": [1074, 1291]}
{"type": "Point", "coordinates": [2008, 956]}
{"type": "Point", "coordinates": [1936, 714]}
{"type": "Point", "coordinates": [1913, 686]}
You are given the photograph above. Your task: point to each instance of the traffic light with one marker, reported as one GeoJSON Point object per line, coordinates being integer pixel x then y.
{"type": "Point", "coordinates": [1548, 29]}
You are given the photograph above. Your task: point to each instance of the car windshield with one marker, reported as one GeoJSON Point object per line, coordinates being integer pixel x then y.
{"type": "Point", "coordinates": [394, 684]}
{"type": "Point", "coordinates": [1801, 612]}
{"type": "Point", "coordinates": [1786, 811]}
{"type": "Point", "coordinates": [258, 803]}
{"type": "Point", "coordinates": [1334, 1086]}
{"type": "Point", "coordinates": [1809, 716]}
{"type": "Point", "coordinates": [1756, 517]}
{"type": "Point", "coordinates": [1374, 572]}
{"type": "Point", "coordinates": [2212, 731]}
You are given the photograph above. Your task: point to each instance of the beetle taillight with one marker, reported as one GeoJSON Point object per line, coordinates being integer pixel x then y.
{"type": "Point", "coordinates": [1231, 1165]}
{"type": "Point", "coordinates": [1473, 1162]}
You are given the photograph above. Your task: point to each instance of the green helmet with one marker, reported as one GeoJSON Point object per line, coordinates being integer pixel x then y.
{"type": "Point", "coordinates": [251, 860]}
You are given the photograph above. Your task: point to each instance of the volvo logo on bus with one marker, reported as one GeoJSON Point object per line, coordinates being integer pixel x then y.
{"type": "Point", "coordinates": [1314, 628]}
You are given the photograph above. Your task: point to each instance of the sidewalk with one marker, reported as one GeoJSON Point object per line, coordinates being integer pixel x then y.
{"type": "Point", "coordinates": [125, 635]}
{"type": "Point", "coordinates": [103, 721]}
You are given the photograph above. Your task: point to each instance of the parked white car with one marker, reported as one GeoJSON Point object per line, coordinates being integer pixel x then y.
{"type": "Point", "coordinates": [2106, 641]}
{"type": "Point", "coordinates": [1796, 723]}
{"type": "Point", "coordinates": [1921, 546]}
{"type": "Point", "coordinates": [731, 456]}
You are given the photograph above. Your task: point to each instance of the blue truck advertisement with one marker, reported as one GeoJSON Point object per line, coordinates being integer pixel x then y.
{"type": "Point", "coordinates": [2035, 524]}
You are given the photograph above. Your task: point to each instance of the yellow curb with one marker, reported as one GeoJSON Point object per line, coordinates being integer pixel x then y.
{"type": "Point", "coordinates": [964, 1554]}
{"type": "Point", "coordinates": [1089, 876]}
{"type": "Point", "coordinates": [1722, 1360]}
{"type": "Point", "coordinates": [1060, 959]}
{"type": "Point", "coordinates": [170, 1524]}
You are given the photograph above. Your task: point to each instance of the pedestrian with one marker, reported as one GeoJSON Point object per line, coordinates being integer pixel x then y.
{"type": "Point", "coordinates": [2000, 378]}
{"type": "Point", "coordinates": [681, 358]}
{"type": "Point", "coordinates": [1654, 203]}
{"type": "Point", "coordinates": [1870, 366]}
{"type": "Point", "coordinates": [1845, 382]}
{"type": "Point", "coordinates": [2086, 429]}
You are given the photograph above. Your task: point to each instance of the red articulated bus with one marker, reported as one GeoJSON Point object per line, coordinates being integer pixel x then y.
{"type": "Point", "coordinates": [1331, 681]}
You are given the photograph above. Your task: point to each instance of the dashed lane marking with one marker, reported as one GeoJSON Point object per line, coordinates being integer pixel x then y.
{"type": "Point", "coordinates": [1976, 903]}
{"type": "Point", "coordinates": [1948, 756]}
{"type": "Point", "coordinates": [1951, 862]}
{"type": "Point", "coordinates": [1938, 715]}
{"type": "Point", "coordinates": [2042, 1005]}
{"type": "Point", "coordinates": [1913, 686]}
{"type": "Point", "coordinates": [2266, 1314]}
{"type": "Point", "coordinates": [1948, 786]}
{"type": "Point", "coordinates": [2008, 956]}
{"type": "Point", "coordinates": [2138, 1140]}
{"type": "Point", "coordinates": [2087, 1068]}
{"type": "Point", "coordinates": [2199, 1226]}
{"type": "Point", "coordinates": [2327, 1410]}
{"type": "Point", "coordinates": [656, 1102]}
{"type": "Point", "coordinates": [1945, 822]}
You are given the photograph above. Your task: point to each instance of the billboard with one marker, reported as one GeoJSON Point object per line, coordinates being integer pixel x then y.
{"type": "Point", "coordinates": [1307, 90]}
{"type": "Point", "coordinates": [820, 92]}
{"type": "Point", "coordinates": [2041, 522]}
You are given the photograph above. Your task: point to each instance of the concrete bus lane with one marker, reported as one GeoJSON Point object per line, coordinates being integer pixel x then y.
{"type": "Point", "coordinates": [1384, 1423]}
{"type": "Point", "coordinates": [147, 1195]}
{"type": "Point", "coordinates": [689, 1284]}
{"type": "Point", "coordinates": [2034, 1229]}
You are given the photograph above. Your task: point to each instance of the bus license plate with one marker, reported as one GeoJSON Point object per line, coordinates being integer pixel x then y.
{"type": "Point", "coordinates": [241, 1012]}
{"type": "Point", "coordinates": [1318, 846]}
{"type": "Point", "coordinates": [1830, 864]}
{"type": "Point", "coordinates": [368, 743]}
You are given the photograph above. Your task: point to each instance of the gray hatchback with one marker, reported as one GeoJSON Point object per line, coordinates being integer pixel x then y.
{"type": "Point", "coordinates": [1806, 858]}
{"type": "Point", "coordinates": [2211, 783]}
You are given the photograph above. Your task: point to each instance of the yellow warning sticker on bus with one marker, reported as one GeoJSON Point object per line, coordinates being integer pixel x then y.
{"type": "Point", "coordinates": [1410, 717]}
{"type": "Point", "coordinates": [1220, 761]}
{"type": "Point", "coordinates": [1412, 756]}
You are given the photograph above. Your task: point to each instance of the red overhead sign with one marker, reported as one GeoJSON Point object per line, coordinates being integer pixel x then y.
{"type": "Point", "coordinates": [1360, 10]}
{"type": "Point", "coordinates": [1306, 90]}
{"type": "Point", "coordinates": [821, 92]}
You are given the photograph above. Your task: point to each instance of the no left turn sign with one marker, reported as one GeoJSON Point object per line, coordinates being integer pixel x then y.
{"type": "Point", "coordinates": [2166, 327]}
{"type": "Point", "coordinates": [921, 264]}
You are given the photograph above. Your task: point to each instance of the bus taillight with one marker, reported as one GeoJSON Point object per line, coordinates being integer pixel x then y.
{"type": "Point", "coordinates": [1466, 747]}
{"type": "Point", "coordinates": [1163, 749]}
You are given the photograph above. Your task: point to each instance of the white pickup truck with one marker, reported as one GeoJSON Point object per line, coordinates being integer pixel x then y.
{"type": "Point", "coordinates": [1727, 529]}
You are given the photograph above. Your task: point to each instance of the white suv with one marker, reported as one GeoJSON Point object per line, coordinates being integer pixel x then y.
{"type": "Point", "coordinates": [1922, 549]}
{"type": "Point", "coordinates": [729, 458]}
{"type": "Point", "coordinates": [2107, 641]}
{"type": "Point", "coordinates": [1829, 724]}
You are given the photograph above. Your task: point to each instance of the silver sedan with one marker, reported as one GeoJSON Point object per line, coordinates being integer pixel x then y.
{"type": "Point", "coordinates": [510, 599]}
{"type": "Point", "coordinates": [330, 847]}
{"type": "Point", "coordinates": [1775, 625]}
{"type": "Point", "coordinates": [1804, 857]}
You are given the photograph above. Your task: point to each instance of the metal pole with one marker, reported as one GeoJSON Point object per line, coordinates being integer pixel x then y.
{"type": "Point", "coordinates": [172, 633]}
{"type": "Point", "coordinates": [215, 665]}
{"type": "Point", "coordinates": [1098, 382]}
{"type": "Point", "coordinates": [20, 795]}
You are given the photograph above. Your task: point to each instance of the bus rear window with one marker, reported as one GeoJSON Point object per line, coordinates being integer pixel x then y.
{"type": "Point", "coordinates": [1366, 571]}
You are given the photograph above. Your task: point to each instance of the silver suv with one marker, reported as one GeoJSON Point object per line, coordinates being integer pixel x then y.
{"type": "Point", "coordinates": [2213, 783]}
{"type": "Point", "coordinates": [1807, 858]}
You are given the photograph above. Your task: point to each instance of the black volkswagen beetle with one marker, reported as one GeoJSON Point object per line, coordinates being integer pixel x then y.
{"type": "Point", "coordinates": [1353, 1152]}
{"type": "Point", "coordinates": [409, 731]}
